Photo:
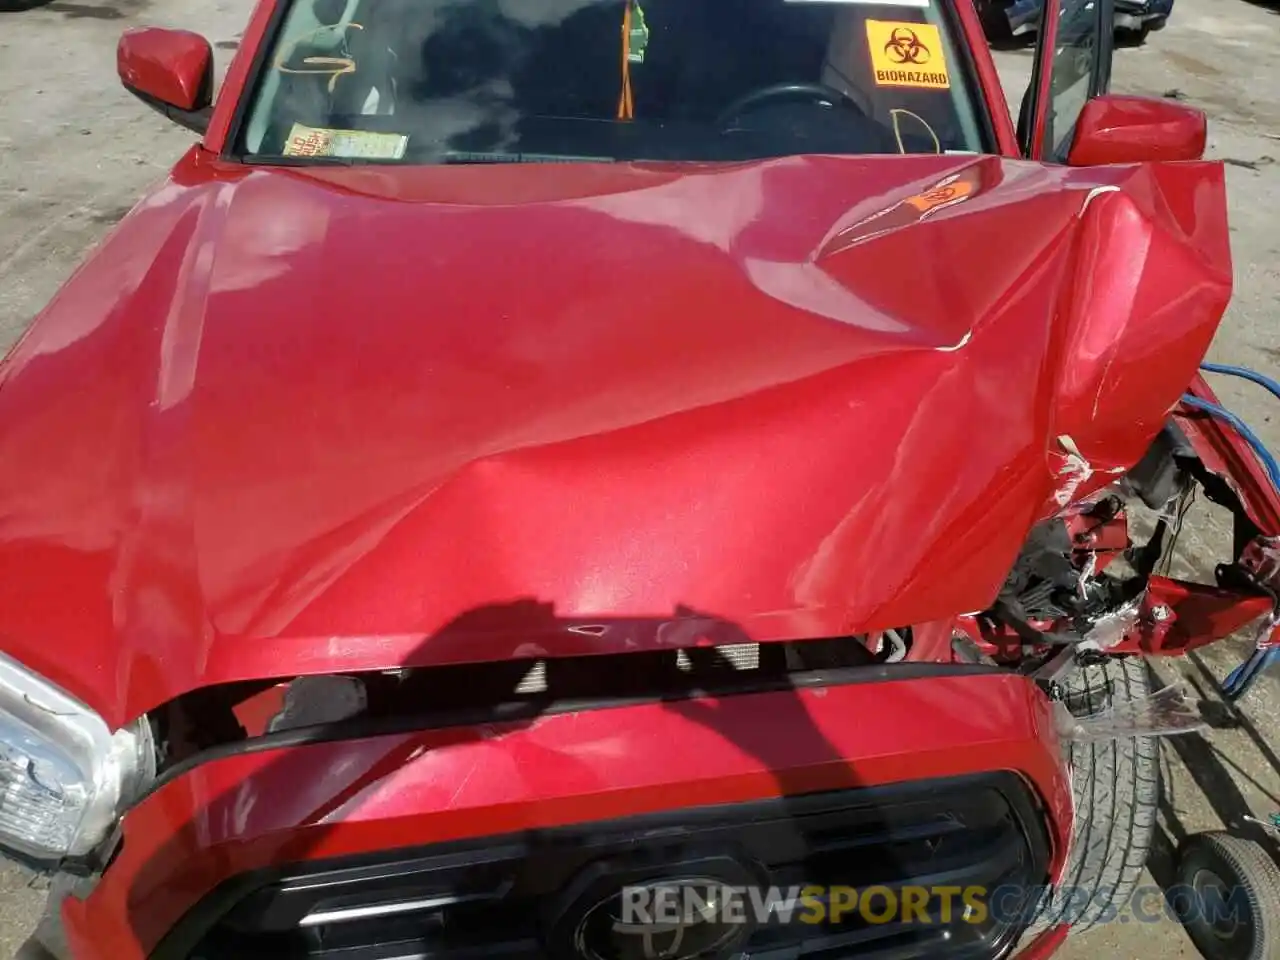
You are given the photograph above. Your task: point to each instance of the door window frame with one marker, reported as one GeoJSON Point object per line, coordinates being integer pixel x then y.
{"type": "Point", "coordinates": [1033, 126]}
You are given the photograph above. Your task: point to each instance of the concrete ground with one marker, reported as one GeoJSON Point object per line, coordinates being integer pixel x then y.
{"type": "Point", "coordinates": [76, 150]}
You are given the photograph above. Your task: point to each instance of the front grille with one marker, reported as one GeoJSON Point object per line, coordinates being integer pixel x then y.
{"type": "Point", "coordinates": [531, 896]}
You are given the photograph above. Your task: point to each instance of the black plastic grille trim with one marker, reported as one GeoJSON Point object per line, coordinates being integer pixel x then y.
{"type": "Point", "coordinates": [512, 894]}
{"type": "Point", "coordinates": [515, 711]}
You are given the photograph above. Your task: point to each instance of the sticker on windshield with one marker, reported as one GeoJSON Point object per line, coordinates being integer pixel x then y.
{"type": "Point", "coordinates": [907, 55]}
{"type": "Point", "coordinates": [349, 144]}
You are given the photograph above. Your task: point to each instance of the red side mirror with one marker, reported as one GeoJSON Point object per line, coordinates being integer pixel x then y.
{"type": "Point", "coordinates": [170, 70]}
{"type": "Point", "coordinates": [1114, 128]}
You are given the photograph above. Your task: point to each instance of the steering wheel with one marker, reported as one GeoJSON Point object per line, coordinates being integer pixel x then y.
{"type": "Point", "coordinates": [816, 92]}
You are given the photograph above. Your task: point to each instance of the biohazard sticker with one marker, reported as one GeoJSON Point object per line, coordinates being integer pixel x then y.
{"type": "Point", "coordinates": [319, 142]}
{"type": "Point", "coordinates": [907, 55]}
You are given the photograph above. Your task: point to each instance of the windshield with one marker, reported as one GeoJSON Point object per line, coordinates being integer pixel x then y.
{"type": "Point", "coordinates": [497, 81]}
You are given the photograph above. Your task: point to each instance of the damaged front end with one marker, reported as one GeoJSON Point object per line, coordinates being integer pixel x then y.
{"type": "Point", "coordinates": [1096, 579]}
{"type": "Point", "coordinates": [618, 606]}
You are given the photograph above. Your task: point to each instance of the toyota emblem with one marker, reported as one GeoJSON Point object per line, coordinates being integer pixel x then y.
{"type": "Point", "coordinates": [671, 919]}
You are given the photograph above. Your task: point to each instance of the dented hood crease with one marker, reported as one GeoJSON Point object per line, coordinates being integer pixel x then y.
{"type": "Point", "coordinates": [293, 422]}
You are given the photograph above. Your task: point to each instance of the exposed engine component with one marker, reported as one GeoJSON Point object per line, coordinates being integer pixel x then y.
{"type": "Point", "coordinates": [1058, 575]}
{"type": "Point", "coordinates": [1159, 476]}
{"type": "Point", "coordinates": [1064, 588]}
{"type": "Point", "coordinates": [1044, 583]}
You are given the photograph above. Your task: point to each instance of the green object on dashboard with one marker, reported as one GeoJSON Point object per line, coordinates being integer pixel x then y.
{"type": "Point", "coordinates": [638, 39]}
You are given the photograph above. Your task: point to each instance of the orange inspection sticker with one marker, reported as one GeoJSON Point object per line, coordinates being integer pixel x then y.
{"type": "Point", "coordinates": [950, 191]}
{"type": "Point", "coordinates": [907, 55]}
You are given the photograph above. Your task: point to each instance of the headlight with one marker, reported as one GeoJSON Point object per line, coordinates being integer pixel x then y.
{"type": "Point", "coordinates": [64, 776]}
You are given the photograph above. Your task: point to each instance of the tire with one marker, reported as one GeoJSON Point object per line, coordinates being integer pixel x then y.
{"type": "Point", "coordinates": [49, 940]}
{"type": "Point", "coordinates": [1116, 788]}
{"type": "Point", "coordinates": [1132, 36]}
{"type": "Point", "coordinates": [1251, 931]}
{"type": "Point", "coordinates": [33, 949]}
{"type": "Point", "coordinates": [995, 25]}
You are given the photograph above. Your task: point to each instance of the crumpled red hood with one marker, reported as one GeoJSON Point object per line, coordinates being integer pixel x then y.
{"type": "Point", "coordinates": [289, 422]}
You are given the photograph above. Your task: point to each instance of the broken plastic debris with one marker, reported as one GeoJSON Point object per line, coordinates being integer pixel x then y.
{"type": "Point", "coordinates": [1075, 470]}
{"type": "Point", "coordinates": [1262, 557]}
{"type": "Point", "coordinates": [1086, 575]}
{"type": "Point", "coordinates": [1164, 713]}
{"type": "Point", "coordinates": [1265, 636]}
{"type": "Point", "coordinates": [1272, 823]}
{"type": "Point", "coordinates": [1110, 628]}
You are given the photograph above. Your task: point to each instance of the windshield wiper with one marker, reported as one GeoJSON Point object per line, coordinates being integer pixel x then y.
{"type": "Point", "coordinates": [279, 160]}
{"type": "Point", "coordinates": [467, 156]}
{"type": "Point", "coordinates": [451, 158]}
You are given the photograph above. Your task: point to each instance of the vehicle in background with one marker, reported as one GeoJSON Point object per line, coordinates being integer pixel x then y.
{"type": "Point", "coordinates": [1005, 20]}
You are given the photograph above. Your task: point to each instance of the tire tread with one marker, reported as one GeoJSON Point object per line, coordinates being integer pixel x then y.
{"type": "Point", "coordinates": [1115, 787]}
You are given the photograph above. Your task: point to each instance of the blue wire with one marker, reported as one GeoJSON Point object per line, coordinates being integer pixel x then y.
{"type": "Point", "coordinates": [1242, 677]}
{"type": "Point", "coordinates": [1261, 379]}
{"type": "Point", "coordinates": [1269, 461]}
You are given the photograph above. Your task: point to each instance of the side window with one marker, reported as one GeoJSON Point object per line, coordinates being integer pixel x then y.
{"type": "Point", "coordinates": [1073, 64]}
{"type": "Point", "coordinates": [1077, 73]}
